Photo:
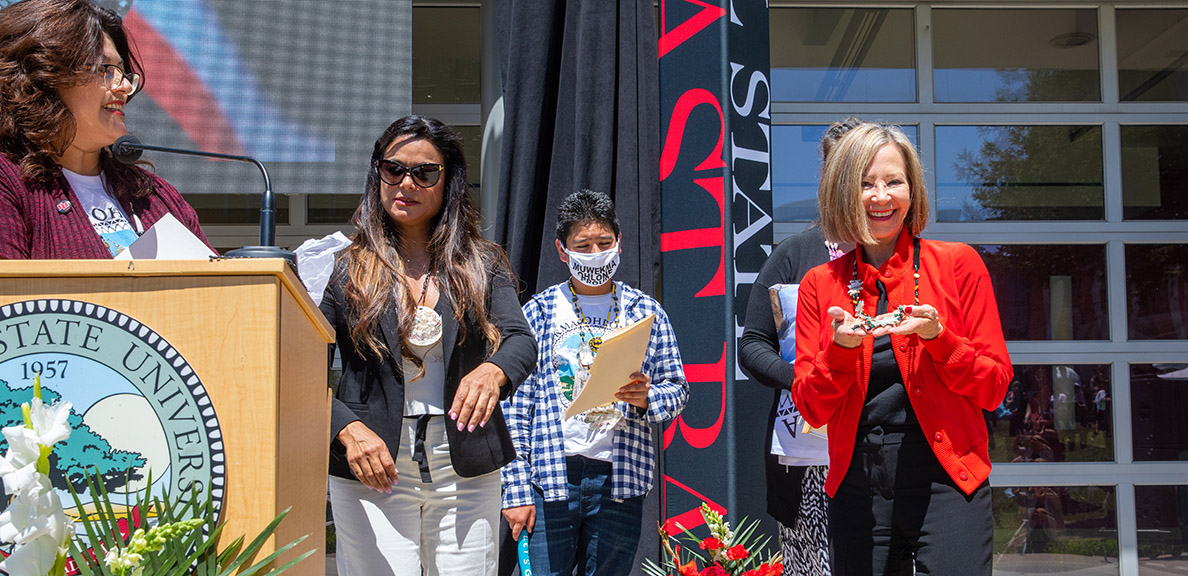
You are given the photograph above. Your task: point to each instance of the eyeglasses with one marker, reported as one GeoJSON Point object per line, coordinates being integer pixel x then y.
{"type": "Point", "coordinates": [114, 76]}
{"type": "Point", "coordinates": [423, 175]}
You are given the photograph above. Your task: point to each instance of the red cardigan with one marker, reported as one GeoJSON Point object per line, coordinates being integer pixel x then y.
{"type": "Point", "coordinates": [33, 227]}
{"type": "Point", "coordinates": [950, 378]}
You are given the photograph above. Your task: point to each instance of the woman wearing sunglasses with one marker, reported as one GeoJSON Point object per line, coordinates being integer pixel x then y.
{"type": "Point", "coordinates": [432, 337]}
{"type": "Point", "coordinates": [66, 73]}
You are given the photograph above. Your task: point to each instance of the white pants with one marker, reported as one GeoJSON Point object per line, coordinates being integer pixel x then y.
{"type": "Point", "coordinates": [446, 528]}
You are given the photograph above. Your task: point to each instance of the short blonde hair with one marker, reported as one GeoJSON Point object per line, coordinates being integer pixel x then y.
{"type": "Point", "coordinates": [843, 218]}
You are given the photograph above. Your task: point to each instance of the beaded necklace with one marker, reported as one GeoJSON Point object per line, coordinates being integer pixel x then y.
{"type": "Point", "coordinates": [867, 323]}
{"type": "Point", "coordinates": [588, 348]}
{"type": "Point", "coordinates": [834, 249]}
{"type": "Point", "coordinates": [607, 416]}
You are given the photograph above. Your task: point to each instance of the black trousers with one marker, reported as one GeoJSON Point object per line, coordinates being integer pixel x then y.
{"type": "Point", "coordinates": [897, 512]}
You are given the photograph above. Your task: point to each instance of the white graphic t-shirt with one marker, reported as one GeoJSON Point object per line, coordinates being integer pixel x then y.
{"type": "Point", "coordinates": [588, 434]}
{"type": "Point", "coordinates": [109, 220]}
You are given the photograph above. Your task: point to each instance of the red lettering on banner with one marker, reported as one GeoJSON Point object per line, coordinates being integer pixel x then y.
{"type": "Point", "coordinates": [689, 519]}
{"type": "Point", "coordinates": [689, 28]}
{"type": "Point", "coordinates": [676, 129]}
{"type": "Point", "coordinates": [701, 437]}
{"type": "Point", "coordinates": [704, 238]}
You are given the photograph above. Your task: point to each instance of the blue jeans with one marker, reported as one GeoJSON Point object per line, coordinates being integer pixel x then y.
{"type": "Point", "coordinates": [590, 530]}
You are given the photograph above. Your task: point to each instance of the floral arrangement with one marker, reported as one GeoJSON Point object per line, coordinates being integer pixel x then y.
{"type": "Point", "coordinates": [723, 553]}
{"type": "Point", "coordinates": [181, 543]}
{"type": "Point", "coordinates": [34, 521]}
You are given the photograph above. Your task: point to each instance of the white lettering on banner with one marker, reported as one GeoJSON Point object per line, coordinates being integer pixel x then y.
{"type": "Point", "coordinates": [757, 78]}
{"type": "Point", "coordinates": [748, 160]}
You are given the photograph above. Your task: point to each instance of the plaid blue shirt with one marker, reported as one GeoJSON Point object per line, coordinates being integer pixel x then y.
{"type": "Point", "coordinates": [534, 413]}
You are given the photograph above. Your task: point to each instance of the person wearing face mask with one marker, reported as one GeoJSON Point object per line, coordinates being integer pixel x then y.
{"type": "Point", "coordinates": [577, 485]}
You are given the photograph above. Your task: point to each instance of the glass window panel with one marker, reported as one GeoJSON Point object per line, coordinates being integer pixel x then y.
{"type": "Point", "coordinates": [1157, 291]}
{"type": "Point", "coordinates": [1158, 401]}
{"type": "Point", "coordinates": [1054, 413]}
{"type": "Point", "coordinates": [472, 140]}
{"type": "Point", "coordinates": [1162, 514]}
{"type": "Point", "coordinates": [796, 169]}
{"type": "Point", "coordinates": [843, 55]}
{"type": "Point", "coordinates": [1055, 530]}
{"type": "Point", "coordinates": [1015, 55]}
{"type": "Point", "coordinates": [1019, 173]}
{"type": "Point", "coordinates": [445, 59]}
{"type": "Point", "coordinates": [215, 209]}
{"type": "Point", "coordinates": [1049, 291]}
{"type": "Point", "coordinates": [331, 208]}
{"type": "Point", "coordinates": [1154, 170]}
{"type": "Point", "coordinates": [1152, 55]}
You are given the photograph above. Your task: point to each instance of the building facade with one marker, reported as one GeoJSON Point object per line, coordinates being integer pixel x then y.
{"type": "Point", "coordinates": [1055, 141]}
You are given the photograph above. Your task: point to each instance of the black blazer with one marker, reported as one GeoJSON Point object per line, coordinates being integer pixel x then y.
{"type": "Point", "coordinates": [759, 357]}
{"type": "Point", "coordinates": [372, 388]}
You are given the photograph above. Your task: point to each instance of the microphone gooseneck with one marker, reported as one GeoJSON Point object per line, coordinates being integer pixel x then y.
{"type": "Point", "coordinates": [128, 148]}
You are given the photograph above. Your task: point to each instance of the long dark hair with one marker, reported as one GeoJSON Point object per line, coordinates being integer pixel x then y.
{"type": "Point", "coordinates": [45, 46]}
{"type": "Point", "coordinates": [460, 258]}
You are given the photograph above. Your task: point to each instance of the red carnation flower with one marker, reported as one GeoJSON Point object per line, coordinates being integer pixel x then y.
{"type": "Point", "coordinates": [711, 544]}
{"type": "Point", "coordinates": [737, 553]}
{"type": "Point", "coordinates": [714, 570]}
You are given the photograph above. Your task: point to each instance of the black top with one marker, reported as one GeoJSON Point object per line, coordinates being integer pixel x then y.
{"type": "Point", "coordinates": [887, 402]}
{"type": "Point", "coordinates": [372, 388]}
{"type": "Point", "coordinates": [759, 357]}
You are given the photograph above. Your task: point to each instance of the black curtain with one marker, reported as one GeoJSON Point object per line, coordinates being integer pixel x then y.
{"type": "Point", "coordinates": [581, 105]}
{"type": "Point", "coordinates": [581, 110]}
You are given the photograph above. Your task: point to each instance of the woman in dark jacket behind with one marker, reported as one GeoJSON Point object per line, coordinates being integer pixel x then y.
{"type": "Point", "coordinates": [431, 334]}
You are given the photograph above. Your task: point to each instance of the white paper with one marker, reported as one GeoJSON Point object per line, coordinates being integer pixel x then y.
{"type": "Point", "coordinates": [315, 262]}
{"type": "Point", "coordinates": [168, 239]}
{"type": "Point", "coordinates": [621, 354]}
{"type": "Point", "coordinates": [789, 440]}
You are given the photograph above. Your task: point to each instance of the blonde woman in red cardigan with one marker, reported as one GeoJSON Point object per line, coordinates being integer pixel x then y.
{"type": "Point", "coordinates": [898, 349]}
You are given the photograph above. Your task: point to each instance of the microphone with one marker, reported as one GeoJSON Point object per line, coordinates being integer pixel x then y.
{"type": "Point", "coordinates": [127, 149]}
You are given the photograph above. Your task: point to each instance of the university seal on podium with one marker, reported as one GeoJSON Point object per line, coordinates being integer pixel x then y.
{"type": "Point", "coordinates": [139, 410]}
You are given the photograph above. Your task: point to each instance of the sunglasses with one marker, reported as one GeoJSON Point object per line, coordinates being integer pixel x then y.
{"type": "Point", "coordinates": [423, 175]}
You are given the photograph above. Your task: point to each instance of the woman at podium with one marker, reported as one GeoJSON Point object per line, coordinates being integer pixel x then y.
{"type": "Point", "coordinates": [431, 334]}
{"type": "Point", "coordinates": [66, 74]}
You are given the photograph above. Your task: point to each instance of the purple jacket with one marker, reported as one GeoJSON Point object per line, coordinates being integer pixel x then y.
{"type": "Point", "coordinates": [46, 221]}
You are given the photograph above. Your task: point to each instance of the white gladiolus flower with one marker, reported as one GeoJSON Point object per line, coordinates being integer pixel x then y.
{"type": "Point", "coordinates": [50, 422]}
{"type": "Point", "coordinates": [17, 476]}
{"type": "Point", "coordinates": [34, 521]}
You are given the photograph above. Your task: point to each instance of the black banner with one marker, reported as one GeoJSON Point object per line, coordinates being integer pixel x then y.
{"type": "Point", "coordinates": [714, 169]}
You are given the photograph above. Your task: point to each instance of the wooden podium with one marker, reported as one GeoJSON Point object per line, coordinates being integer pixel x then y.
{"type": "Point", "coordinates": [251, 333]}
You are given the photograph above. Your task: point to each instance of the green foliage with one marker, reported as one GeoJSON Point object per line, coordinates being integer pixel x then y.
{"type": "Point", "coordinates": [1106, 547]}
{"type": "Point", "coordinates": [193, 553]}
{"type": "Point", "coordinates": [72, 457]}
{"type": "Point", "coordinates": [756, 560]}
